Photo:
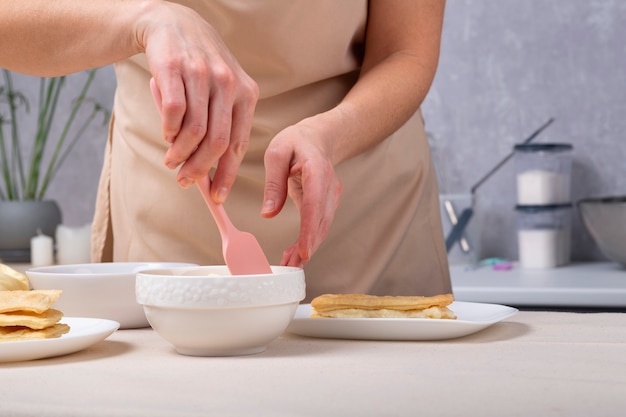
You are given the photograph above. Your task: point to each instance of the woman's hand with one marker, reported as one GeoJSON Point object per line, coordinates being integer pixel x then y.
{"type": "Point", "coordinates": [401, 53]}
{"type": "Point", "coordinates": [205, 98]}
{"type": "Point", "coordinates": [298, 163]}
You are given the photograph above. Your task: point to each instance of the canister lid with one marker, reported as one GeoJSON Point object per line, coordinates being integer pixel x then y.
{"type": "Point", "coordinates": [603, 200]}
{"type": "Point", "coordinates": [539, 208]}
{"type": "Point", "coordinates": [543, 147]}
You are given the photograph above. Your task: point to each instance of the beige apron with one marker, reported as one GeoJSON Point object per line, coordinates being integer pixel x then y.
{"type": "Point", "coordinates": [387, 235]}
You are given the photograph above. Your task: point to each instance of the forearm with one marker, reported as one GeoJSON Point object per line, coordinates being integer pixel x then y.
{"type": "Point", "coordinates": [43, 37]}
{"type": "Point", "coordinates": [377, 106]}
{"type": "Point", "coordinates": [398, 70]}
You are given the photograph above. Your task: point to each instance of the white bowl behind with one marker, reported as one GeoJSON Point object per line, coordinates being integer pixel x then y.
{"type": "Point", "coordinates": [98, 290]}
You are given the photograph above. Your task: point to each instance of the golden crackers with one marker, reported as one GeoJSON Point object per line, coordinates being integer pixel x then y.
{"type": "Point", "coordinates": [36, 301]}
{"type": "Point", "coordinates": [10, 279]}
{"type": "Point", "coordinates": [19, 333]}
{"type": "Point", "coordinates": [373, 306]}
{"type": "Point", "coordinates": [35, 321]}
{"type": "Point", "coordinates": [27, 315]}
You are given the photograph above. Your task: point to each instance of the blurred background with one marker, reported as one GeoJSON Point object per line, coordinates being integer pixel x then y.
{"type": "Point", "coordinates": [506, 67]}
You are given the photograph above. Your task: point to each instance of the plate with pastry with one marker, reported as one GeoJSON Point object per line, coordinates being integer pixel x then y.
{"type": "Point", "coordinates": [410, 318]}
{"type": "Point", "coordinates": [81, 334]}
{"type": "Point", "coordinates": [31, 329]}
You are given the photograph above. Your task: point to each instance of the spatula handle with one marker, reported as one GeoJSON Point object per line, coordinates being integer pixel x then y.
{"type": "Point", "coordinates": [217, 210]}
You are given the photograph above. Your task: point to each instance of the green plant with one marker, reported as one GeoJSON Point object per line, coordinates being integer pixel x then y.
{"type": "Point", "coordinates": [28, 178]}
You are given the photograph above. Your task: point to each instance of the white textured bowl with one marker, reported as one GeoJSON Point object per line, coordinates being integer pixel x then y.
{"type": "Point", "coordinates": [98, 290]}
{"type": "Point", "coordinates": [205, 311]}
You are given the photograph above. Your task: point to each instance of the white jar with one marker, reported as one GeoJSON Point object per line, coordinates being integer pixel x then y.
{"type": "Point", "coordinates": [543, 173]}
{"type": "Point", "coordinates": [544, 235]}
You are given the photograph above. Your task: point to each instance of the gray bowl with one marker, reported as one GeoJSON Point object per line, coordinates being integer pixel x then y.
{"type": "Point", "coordinates": [605, 220]}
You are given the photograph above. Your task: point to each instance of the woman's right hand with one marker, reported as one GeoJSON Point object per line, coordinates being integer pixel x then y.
{"type": "Point", "coordinates": [205, 98]}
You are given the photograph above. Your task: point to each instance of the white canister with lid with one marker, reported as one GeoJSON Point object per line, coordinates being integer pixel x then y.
{"type": "Point", "coordinates": [543, 173]}
{"type": "Point", "coordinates": [544, 236]}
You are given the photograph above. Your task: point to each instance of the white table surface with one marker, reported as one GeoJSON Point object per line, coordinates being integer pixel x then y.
{"type": "Point", "coordinates": [532, 364]}
{"type": "Point", "coordinates": [593, 284]}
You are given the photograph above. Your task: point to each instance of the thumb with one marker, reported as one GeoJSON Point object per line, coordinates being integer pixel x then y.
{"type": "Point", "coordinates": [275, 189]}
{"type": "Point", "coordinates": [156, 94]}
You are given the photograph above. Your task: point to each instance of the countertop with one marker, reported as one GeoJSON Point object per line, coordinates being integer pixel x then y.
{"type": "Point", "coordinates": [531, 364]}
{"type": "Point", "coordinates": [592, 285]}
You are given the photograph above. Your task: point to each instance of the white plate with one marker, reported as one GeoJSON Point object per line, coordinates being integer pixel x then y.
{"type": "Point", "coordinates": [83, 333]}
{"type": "Point", "coordinates": [471, 318]}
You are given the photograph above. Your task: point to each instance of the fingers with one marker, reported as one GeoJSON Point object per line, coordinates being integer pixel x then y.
{"type": "Point", "coordinates": [310, 238]}
{"type": "Point", "coordinates": [156, 94]}
{"type": "Point", "coordinates": [205, 98]}
{"type": "Point", "coordinates": [173, 105]}
{"type": "Point", "coordinates": [198, 147]}
{"type": "Point", "coordinates": [230, 161]}
{"type": "Point", "coordinates": [306, 174]}
{"type": "Point", "coordinates": [214, 126]}
{"type": "Point", "coordinates": [291, 257]}
{"type": "Point", "coordinates": [277, 170]}
{"type": "Point", "coordinates": [317, 212]}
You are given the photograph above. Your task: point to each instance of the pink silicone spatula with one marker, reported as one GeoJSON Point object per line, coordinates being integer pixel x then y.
{"type": "Point", "coordinates": [242, 252]}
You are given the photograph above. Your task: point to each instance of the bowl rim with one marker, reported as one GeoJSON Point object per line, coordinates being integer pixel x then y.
{"type": "Point", "coordinates": [66, 269]}
{"type": "Point", "coordinates": [603, 200]}
{"type": "Point", "coordinates": [543, 147]}
{"type": "Point", "coordinates": [277, 271]}
{"type": "Point", "coordinates": [154, 288]}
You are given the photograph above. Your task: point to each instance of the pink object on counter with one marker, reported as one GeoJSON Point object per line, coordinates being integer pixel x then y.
{"type": "Point", "coordinates": [503, 266]}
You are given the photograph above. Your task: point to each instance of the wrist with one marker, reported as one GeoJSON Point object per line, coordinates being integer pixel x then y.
{"type": "Point", "coordinates": [335, 133]}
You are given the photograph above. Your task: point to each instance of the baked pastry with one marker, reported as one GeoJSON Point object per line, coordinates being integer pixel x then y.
{"type": "Point", "coordinates": [36, 301]}
{"type": "Point", "coordinates": [27, 315]}
{"type": "Point", "coordinates": [10, 279]}
{"type": "Point", "coordinates": [20, 333]}
{"type": "Point", "coordinates": [387, 306]}
{"type": "Point", "coordinates": [31, 320]}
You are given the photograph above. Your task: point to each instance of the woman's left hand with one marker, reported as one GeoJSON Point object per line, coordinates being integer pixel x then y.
{"type": "Point", "coordinates": [298, 163]}
{"type": "Point", "coordinates": [401, 54]}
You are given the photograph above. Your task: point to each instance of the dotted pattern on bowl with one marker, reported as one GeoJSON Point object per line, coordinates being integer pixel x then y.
{"type": "Point", "coordinates": [218, 291]}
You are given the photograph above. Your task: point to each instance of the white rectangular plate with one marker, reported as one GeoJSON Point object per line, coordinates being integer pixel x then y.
{"type": "Point", "coordinates": [471, 318]}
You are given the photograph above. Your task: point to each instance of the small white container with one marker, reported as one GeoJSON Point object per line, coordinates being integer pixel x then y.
{"type": "Point", "coordinates": [543, 173]}
{"type": "Point", "coordinates": [544, 235]}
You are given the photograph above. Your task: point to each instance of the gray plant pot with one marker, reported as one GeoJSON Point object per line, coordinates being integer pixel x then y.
{"type": "Point", "coordinates": [20, 221]}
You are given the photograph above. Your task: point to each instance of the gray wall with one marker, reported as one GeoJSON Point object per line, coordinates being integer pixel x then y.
{"type": "Point", "coordinates": [506, 67]}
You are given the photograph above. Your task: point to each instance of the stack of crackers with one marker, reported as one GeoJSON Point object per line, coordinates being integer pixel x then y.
{"type": "Point", "coordinates": [387, 306]}
{"type": "Point", "coordinates": [25, 314]}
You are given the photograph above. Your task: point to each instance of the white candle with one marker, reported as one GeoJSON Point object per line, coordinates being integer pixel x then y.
{"type": "Point", "coordinates": [41, 250]}
{"type": "Point", "coordinates": [73, 244]}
